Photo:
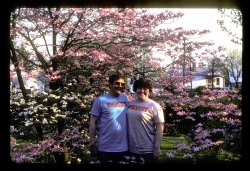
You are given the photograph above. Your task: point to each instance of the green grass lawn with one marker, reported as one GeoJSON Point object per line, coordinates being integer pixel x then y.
{"type": "Point", "coordinates": [169, 144]}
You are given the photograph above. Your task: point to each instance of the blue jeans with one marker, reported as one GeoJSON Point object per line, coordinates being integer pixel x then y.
{"type": "Point", "coordinates": [112, 157]}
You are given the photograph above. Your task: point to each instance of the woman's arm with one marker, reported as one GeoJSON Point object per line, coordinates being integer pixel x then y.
{"type": "Point", "coordinates": [158, 138]}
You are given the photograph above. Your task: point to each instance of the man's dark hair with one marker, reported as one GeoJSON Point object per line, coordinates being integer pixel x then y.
{"type": "Point", "coordinates": [143, 83]}
{"type": "Point", "coordinates": [114, 77]}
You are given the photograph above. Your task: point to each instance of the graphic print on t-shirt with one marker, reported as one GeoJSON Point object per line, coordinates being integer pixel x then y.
{"type": "Point", "coordinates": [138, 108]}
{"type": "Point", "coordinates": [116, 104]}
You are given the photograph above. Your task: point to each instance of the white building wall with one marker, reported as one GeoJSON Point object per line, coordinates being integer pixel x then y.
{"type": "Point", "coordinates": [221, 82]}
{"type": "Point", "coordinates": [201, 81]}
{"type": "Point", "coordinates": [197, 81]}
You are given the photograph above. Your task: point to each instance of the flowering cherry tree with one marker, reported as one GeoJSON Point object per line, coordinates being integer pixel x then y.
{"type": "Point", "coordinates": [76, 49]}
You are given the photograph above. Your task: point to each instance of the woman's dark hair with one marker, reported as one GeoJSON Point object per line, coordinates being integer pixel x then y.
{"type": "Point", "coordinates": [115, 77]}
{"type": "Point", "coordinates": [143, 83]}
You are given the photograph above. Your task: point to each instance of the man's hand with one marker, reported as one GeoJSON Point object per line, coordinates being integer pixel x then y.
{"type": "Point", "coordinates": [93, 149]}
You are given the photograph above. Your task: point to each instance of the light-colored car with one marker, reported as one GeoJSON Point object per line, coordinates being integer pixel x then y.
{"type": "Point", "coordinates": [226, 88]}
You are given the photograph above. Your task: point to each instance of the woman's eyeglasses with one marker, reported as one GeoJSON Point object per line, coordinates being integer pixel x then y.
{"type": "Point", "coordinates": [119, 83]}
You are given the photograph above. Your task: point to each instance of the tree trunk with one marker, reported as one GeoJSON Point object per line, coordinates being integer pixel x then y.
{"type": "Point", "coordinates": [65, 154]}
{"type": "Point", "coordinates": [14, 60]}
{"type": "Point", "coordinates": [39, 131]}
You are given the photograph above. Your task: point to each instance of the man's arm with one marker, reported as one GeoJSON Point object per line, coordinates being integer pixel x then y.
{"type": "Point", "coordinates": [158, 138]}
{"type": "Point", "coordinates": [92, 129]}
{"type": "Point", "coordinates": [92, 134]}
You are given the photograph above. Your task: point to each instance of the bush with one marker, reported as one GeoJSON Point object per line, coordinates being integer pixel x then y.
{"type": "Point", "coordinates": [199, 89]}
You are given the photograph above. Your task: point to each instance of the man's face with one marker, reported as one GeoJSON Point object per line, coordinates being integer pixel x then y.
{"type": "Point", "coordinates": [117, 87]}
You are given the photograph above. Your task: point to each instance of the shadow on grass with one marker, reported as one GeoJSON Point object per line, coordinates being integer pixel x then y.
{"type": "Point", "coordinates": [198, 161]}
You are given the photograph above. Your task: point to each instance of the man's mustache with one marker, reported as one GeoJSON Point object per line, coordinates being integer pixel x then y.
{"type": "Point", "coordinates": [119, 88]}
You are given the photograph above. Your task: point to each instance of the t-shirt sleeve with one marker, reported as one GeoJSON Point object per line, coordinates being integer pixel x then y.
{"type": "Point", "coordinates": [127, 100]}
{"type": "Point", "coordinates": [158, 114]}
{"type": "Point", "coordinates": [96, 107]}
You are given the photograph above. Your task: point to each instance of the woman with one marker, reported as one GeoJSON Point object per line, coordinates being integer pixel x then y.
{"type": "Point", "coordinates": [145, 124]}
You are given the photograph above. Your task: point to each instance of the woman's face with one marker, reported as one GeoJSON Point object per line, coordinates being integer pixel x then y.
{"type": "Point", "coordinates": [142, 93]}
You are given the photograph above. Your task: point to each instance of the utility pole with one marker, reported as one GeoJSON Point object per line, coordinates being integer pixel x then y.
{"type": "Point", "coordinates": [191, 75]}
{"type": "Point", "coordinates": [212, 74]}
{"type": "Point", "coordinates": [184, 55]}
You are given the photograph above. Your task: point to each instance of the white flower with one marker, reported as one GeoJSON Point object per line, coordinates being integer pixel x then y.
{"type": "Point", "coordinates": [45, 121]}
{"type": "Point", "coordinates": [22, 101]}
{"type": "Point", "coordinates": [61, 116]}
{"type": "Point", "coordinates": [78, 161]}
{"type": "Point", "coordinates": [28, 122]}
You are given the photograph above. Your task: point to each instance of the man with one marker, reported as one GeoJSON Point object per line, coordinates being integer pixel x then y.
{"type": "Point", "coordinates": [108, 120]}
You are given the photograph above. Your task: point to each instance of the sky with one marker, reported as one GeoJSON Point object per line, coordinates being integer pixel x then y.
{"type": "Point", "coordinates": [204, 19]}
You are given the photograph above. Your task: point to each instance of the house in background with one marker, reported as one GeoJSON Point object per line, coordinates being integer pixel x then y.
{"type": "Point", "coordinates": [204, 77]}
